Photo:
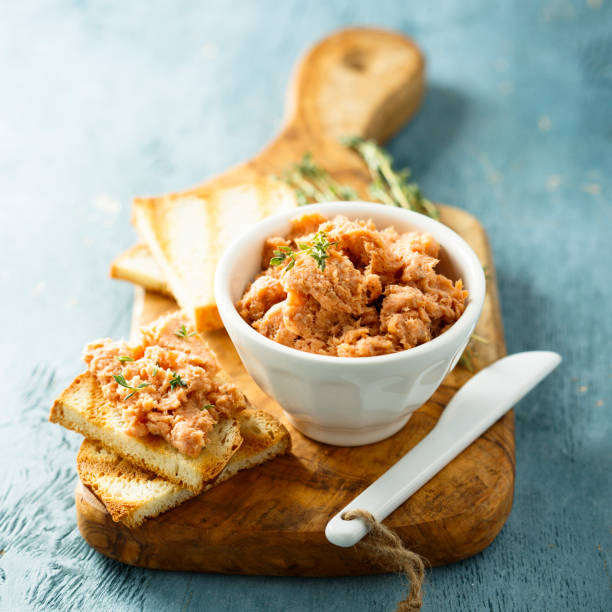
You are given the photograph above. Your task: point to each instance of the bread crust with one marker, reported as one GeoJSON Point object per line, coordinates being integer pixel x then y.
{"type": "Point", "coordinates": [138, 266]}
{"type": "Point", "coordinates": [132, 494]}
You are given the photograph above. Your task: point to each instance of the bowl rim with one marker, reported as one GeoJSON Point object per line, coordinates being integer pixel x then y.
{"type": "Point", "coordinates": [354, 209]}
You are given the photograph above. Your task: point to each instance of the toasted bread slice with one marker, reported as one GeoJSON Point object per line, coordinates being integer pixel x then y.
{"type": "Point", "coordinates": [132, 495]}
{"type": "Point", "coordinates": [83, 408]}
{"type": "Point", "coordinates": [138, 266]}
{"type": "Point", "coordinates": [188, 233]}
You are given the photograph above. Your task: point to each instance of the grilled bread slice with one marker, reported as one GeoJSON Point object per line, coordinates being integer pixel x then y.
{"type": "Point", "coordinates": [132, 495]}
{"type": "Point", "coordinates": [138, 266]}
{"type": "Point", "coordinates": [83, 408]}
{"type": "Point", "coordinates": [186, 234]}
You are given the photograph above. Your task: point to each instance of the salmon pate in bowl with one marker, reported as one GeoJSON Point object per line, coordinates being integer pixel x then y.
{"type": "Point", "coordinates": [349, 314]}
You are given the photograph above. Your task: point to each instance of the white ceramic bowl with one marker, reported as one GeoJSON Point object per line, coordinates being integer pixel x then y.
{"type": "Point", "coordinates": [343, 400]}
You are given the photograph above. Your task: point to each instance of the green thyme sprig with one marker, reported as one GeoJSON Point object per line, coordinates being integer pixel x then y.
{"type": "Point", "coordinates": [282, 255]}
{"type": "Point", "coordinates": [182, 332]}
{"type": "Point", "coordinates": [207, 407]}
{"type": "Point", "coordinates": [317, 249]}
{"type": "Point", "coordinates": [120, 379]}
{"type": "Point", "coordinates": [311, 183]}
{"type": "Point", "coordinates": [467, 358]}
{"type": "Point", "coordinates": [177, 381]}
{"type": "Point", "coordinates": [465, 361]}
{"type": "Point", "coordinates": [389, 186]}
{"type": "Point", "coordinates": [124, 358]}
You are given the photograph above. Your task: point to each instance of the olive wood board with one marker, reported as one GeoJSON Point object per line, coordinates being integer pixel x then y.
{"type": "Point", "coordinates": [271, 519]}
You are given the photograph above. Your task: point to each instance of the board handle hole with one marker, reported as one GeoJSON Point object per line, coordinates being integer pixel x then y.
{"type": "Point", "coordinates": [355, 60]}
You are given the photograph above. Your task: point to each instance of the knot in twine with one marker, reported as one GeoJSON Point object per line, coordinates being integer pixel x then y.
{"type": "Point", "coordinates": [386, 547]}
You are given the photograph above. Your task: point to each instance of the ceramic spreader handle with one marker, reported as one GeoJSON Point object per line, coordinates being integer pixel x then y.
{"type": "Point", "coordinates": [474, 408]}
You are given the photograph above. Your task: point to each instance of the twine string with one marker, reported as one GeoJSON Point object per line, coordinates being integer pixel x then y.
{"type": "Point", "coordinates": [386, 547]}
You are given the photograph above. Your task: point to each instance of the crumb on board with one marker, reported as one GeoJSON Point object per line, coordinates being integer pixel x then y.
{"type": "Point", "coordinates": [593, 189]}
{"type": "Point", "coordinates": [544, 123]}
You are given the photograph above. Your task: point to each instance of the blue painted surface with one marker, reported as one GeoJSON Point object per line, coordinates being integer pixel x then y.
{"type": "Point", "coordinates": [101, 101]}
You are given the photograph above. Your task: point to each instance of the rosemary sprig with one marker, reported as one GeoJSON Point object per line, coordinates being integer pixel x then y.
{"type": "Point", "coordinates": [177, 381]}
{"type": "Point", "coordinates": [388, 185]}
{"type": "Point", "coordinates": [182, 332]}
{"type": "Point", "coordinates": [317, 249]}
{"type": "Point", "coordinates": [311, 183]}
{"type": "Point", "coordinates": [120, 379]}
{"type": "Point", "coordinates": [124, 358]}
{"type": "Point", "coordinates": [207, 407]}
{"type": "Point", "coordinates": [479, 338]}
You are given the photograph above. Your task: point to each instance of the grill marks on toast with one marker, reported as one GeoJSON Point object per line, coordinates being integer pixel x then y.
{"type": "Point", "coordinates": [183, 245]}
{"type": "Point", "coordinates": [186, 235]}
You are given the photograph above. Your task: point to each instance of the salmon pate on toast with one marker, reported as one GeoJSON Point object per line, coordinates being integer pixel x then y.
{"type": "Point", "coordinates": [163, 403]}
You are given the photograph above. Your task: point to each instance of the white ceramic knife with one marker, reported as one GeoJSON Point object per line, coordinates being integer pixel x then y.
{"type": "Point", "coordinates": [484, 399]}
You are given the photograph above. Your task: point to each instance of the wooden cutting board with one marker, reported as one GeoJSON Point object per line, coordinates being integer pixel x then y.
{"type": "Point", "coordinates": [271, 519]}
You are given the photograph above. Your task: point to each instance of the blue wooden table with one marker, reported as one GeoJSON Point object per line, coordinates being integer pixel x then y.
{"type": "Point", "coordinates": [101, 101]}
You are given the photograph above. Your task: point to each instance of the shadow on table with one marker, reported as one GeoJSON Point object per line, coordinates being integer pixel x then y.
{"type": "Point", "coordinates": [434, 127]}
